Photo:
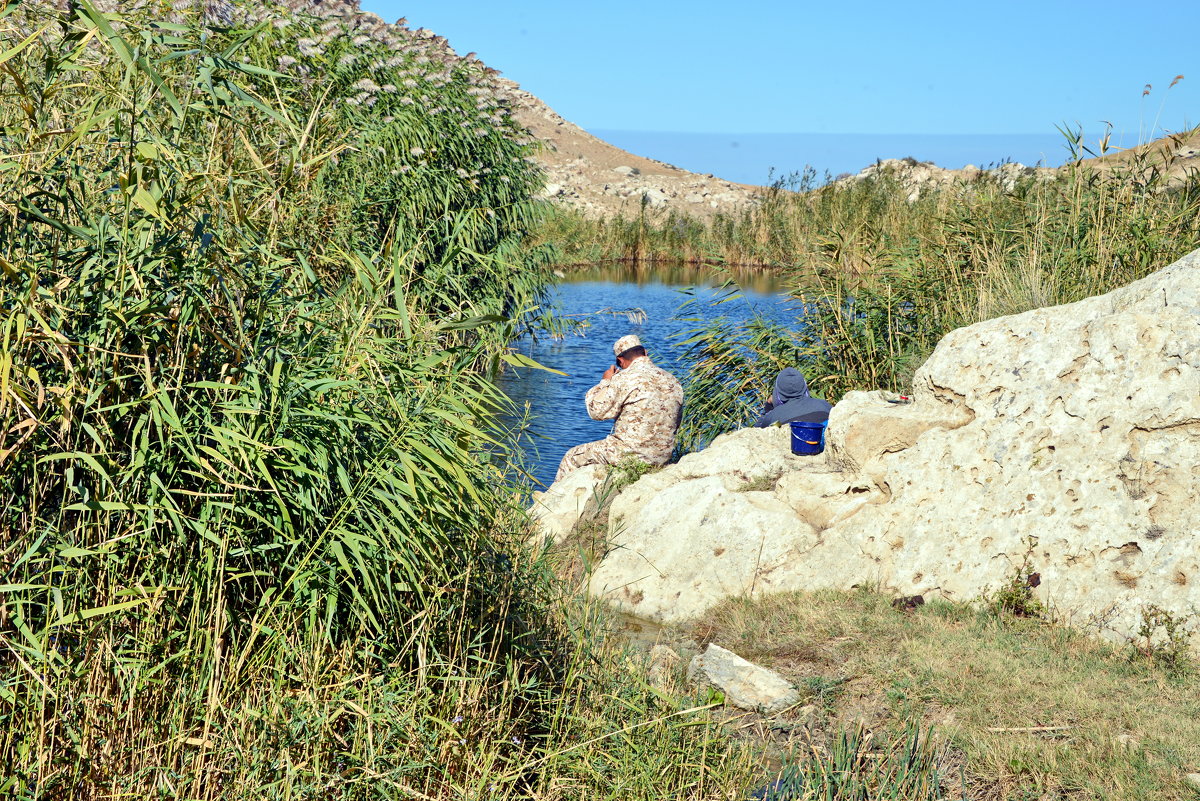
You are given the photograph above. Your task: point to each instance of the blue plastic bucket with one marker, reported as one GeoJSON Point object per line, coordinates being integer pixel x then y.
{"type": "Point", "coordinates": [807, 438]}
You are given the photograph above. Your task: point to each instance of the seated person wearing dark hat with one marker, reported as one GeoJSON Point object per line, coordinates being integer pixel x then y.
{"type": "Point", "coordinates": [790, 402]}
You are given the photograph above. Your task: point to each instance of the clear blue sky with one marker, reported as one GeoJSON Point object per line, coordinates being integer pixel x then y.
{"type": "Point", "coordinates": [860, 67]}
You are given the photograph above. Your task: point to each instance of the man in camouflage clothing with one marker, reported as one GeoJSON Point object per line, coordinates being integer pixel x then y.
{"type": "Point", "coordinates": [644, 402]}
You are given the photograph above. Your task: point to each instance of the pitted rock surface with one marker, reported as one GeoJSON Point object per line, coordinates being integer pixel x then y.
{"type": "Point", "coordinates": [1068, 437]}
{"type": "Point", "coordinates": [565, 503]}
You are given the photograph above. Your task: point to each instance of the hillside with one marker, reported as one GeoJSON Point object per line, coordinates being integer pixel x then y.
{"type": "Point", "coordinates": [1167, 162]}
{"type": "Point", "coordinates": [582, 171]}
{"type": "Point", "coordinates": [598, 179]}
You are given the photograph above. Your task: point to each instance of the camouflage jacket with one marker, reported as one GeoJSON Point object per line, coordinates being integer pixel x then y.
{"type": "Point", "coordinates": [645, 401]}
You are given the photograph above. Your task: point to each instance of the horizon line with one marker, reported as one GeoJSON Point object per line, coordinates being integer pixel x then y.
{"type": "Point", "coordinates": [816, 133]}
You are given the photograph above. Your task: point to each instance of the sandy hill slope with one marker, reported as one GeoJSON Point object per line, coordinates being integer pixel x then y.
{"type": "Point", "coordinates": [598, 179]}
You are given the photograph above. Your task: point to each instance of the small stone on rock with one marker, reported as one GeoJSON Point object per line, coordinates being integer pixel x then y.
{"type": "Point", "coordinates": [908, 603]}
{"type": "Point", "coordinates": [655, 197]}
{"type": "Point", "coordinates": [664, 661]}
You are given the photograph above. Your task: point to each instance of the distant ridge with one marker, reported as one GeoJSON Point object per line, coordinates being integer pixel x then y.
{"type": "Point", "coordinates": [597, 178]}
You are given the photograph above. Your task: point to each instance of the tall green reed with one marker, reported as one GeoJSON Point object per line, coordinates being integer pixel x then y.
{"type": "Point", "coordinates": [880, 277]}
{"type": "Point", "coordinates": [242, 383]}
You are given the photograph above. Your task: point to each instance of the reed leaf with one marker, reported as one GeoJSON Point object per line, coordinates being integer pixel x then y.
{"type": "Point", "coordinates": [244, 378]}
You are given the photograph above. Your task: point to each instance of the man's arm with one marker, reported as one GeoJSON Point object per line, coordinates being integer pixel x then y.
{"type": "Point", "coordinates": [604, 400]}
{"type": "Point", "coordinates": [764, 417]}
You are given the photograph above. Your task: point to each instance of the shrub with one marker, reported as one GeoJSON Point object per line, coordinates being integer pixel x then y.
{"type": "Point", "coordinates": [1164, 639]}
{"type": "Point", "coordinates": [1015, 596]}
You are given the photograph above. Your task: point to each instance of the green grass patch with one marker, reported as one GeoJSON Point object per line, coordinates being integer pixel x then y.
{"type": "Point", "coordinates": [1028, 709]}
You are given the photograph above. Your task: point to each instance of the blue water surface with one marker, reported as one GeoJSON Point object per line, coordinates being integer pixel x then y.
{"type": "Point", "coordinates": [658, 304]}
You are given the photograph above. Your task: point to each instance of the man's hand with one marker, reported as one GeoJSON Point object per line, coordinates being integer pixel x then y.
{"type": "Point", "coordinates": [610, 372]}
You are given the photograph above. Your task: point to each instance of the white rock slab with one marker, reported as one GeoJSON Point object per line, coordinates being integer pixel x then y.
{"type": "Point", "coordinates": [745, 684]}
{"type": "Point", "coordinates": [556, 511]}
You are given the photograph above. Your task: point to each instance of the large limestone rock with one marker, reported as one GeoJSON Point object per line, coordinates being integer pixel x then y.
{"type": "Point", "coordinates": [557, 511]}
{"type": "Point", "coordinates": [1068, 437]}
{"type": "Point", "coordinates": [707, 528]}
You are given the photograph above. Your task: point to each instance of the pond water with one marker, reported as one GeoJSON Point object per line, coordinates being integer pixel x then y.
{"type": "Point", "coordinates": [659, 304]}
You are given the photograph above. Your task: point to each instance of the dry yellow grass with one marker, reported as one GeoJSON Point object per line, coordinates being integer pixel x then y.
{"type": "Point", "coordinates": [1031, 710]}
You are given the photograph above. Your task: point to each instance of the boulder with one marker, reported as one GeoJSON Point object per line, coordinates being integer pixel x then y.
{"type": "Point", "coordinates": [556, 511]}
{"type": "Point", "coordinates": [1009, 175]}
{"type": "Point", "coordinates": [706, 543]}
{"type": "Point", "coordinates": [625, 170]}
{"type": "Point", "coordinates": [704, 529]}
{"type": "Point", "coordinates": [745, 684]}
{"type": "Point", "coordinates": [655, 197]}
{"type": "Point", "coordinates": [1063, 439]}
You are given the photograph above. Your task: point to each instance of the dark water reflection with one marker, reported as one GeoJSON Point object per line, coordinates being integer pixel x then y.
{"type": "Point", "coordinates": [611, 300]}
{"type": "Point", "coordinates": [754, 282]}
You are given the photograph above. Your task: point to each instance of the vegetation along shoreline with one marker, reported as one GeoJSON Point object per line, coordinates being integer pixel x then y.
{"type": "Point", "coordinates": [259, 263]}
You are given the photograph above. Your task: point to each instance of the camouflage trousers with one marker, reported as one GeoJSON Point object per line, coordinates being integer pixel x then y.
{"type": "Point", "coordinates": [602, 451]}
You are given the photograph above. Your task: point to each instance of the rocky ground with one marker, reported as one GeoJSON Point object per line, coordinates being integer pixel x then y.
{"type": "Point", "coordinates": [1177, 156]}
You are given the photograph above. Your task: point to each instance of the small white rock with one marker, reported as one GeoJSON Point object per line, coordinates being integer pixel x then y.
{"type": "Point", "coordinates": [664, 661]}
{"type": "Point", "coordinates": [745, 684]}
{"type": "Point", "coordinates": [1127, 741]}
{"type": "Point", "coordinates": [656, 197]}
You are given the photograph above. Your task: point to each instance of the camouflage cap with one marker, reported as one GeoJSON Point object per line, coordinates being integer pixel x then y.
{"type": "Point", "coordinates": [625, 343]}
